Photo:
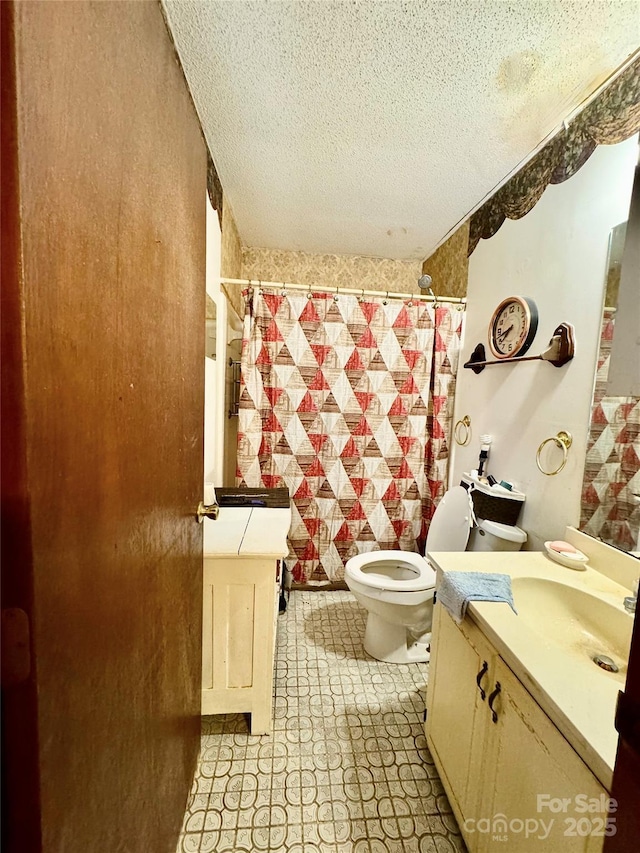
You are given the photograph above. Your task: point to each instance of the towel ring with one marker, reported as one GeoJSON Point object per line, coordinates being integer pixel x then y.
{"type": "Point", "coordinates": [462, 431]}
{"type": "Point", "coordinates": [563, 440]}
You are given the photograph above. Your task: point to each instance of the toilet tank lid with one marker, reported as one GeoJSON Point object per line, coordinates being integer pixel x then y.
{"type": "Point", "coordinates": [503, 531]}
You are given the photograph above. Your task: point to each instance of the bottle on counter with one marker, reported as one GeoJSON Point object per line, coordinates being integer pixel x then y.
{"type": "Point", "coordinates": [485, 445]}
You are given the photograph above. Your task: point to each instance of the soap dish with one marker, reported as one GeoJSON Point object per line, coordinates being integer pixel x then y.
{"type": "Point", "coordinates": [576, 560]}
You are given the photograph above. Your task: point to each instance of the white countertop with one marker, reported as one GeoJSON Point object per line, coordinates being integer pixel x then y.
{"type": "Point", "coordinates": [247, 532]}
{"type": "Point", "coordinates": [577, 695]}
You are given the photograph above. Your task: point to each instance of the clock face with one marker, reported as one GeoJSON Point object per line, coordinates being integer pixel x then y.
{"type": "Point", "coordinates": [513, 327]}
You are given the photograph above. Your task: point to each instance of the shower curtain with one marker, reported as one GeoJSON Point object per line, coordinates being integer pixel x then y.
{"type": "Point", "coordinates": [348, 403]}
{"type": "Point", "coordinates": [609, 509]}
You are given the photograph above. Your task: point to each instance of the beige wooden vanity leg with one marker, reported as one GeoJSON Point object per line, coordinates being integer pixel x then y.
{"type": "Point", "coordinates": [261, 722]}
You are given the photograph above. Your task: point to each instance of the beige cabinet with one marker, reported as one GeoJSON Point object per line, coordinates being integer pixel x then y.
{"type": "Point", "coordinates": [241, 581]}
{"type": "Point", "coordinates": [529, 767]}
{"type": "Point", "coordinates": [513, 780]}
{"type": "Point", "coordinates": [458, 679]}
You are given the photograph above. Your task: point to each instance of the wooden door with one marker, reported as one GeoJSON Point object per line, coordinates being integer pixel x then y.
{"type": "Point", "coordinates": [625, 789]}
{"type": "Point", "coordinates": [103, 228]}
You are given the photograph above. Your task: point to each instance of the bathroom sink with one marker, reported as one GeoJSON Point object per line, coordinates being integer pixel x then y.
{"type": "Point", "coordinates": [579, 622]}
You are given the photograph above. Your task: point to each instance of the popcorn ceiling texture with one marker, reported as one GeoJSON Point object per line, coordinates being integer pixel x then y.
{"type": "Point", "coordinates": [332, 270]}
{"type": "Point", "coordinates": [449, 265]}
{"type": "Point", "coordinates": [372, 128]}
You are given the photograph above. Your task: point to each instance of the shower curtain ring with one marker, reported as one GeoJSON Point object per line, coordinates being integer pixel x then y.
{"type": "Point", "coordinates": [335, 295]}
{"type": "Point", "coordinates": [433, 296]}
{"type": "Point", "coordinates": [361, 297]}
{"type": "Point", "coordinates": [386, 298]}
{"type": "Point", "coordinates": [309, 291]}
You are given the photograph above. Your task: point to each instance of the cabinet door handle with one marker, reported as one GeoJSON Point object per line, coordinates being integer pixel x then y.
{"type": "Point", "coordinates": [479, 677]}
{"type": "Point", "coordinates": [492, 699]}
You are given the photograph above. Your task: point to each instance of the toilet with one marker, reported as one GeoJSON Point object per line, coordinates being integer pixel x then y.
{"type": "Point", "coordinates": [397, 587]}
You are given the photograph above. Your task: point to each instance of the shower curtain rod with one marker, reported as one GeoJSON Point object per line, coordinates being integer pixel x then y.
{"type": "Point", "coordinates": [325, 288]}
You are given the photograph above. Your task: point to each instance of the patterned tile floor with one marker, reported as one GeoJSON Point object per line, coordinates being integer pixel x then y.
{"type": "Point", "coordinates": [347, 768]}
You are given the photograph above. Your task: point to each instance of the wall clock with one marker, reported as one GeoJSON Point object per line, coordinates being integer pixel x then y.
{"type": "Point", "coordinates": [513, 326]}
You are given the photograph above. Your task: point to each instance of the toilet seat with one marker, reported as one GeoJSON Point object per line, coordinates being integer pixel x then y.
{"type": "Point", "coordinates": [375, 570]}
{"type": "Point", "coordinates": [448, 531]}
{"type": "Point", "coordinates": [451, 523]}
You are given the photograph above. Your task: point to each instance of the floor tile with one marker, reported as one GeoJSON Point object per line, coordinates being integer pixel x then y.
{"type": "Point", "coordinates": [346, 770]}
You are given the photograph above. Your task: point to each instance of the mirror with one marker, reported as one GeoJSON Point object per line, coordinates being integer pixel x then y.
{"type": "Point", "coordinates": [210, 328]}
{"type": "Point", "coordinates": [610, 503]}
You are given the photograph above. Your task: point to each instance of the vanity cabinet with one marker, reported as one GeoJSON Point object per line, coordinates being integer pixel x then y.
{"type": "Point", "coordinates": [244, 548]}
{"type": "Point", "coordinates": [496, 750]}
{"type": "Point", "coordinates": [458, 678]}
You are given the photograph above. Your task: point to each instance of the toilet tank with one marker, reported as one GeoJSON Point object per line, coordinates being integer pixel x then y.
{"type": "Point", "coordinates": [494, 536]}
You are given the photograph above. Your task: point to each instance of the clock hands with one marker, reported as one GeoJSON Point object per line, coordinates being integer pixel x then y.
{"type": "Point", "coordinates": [504, 334]}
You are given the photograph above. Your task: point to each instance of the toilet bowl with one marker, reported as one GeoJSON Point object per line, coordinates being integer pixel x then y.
{"type": "Point", "coordinates": [396, 587]}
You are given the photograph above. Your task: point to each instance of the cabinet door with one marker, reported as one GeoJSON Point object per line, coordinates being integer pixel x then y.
{"type": "Point", "coordinates": [459, 657]}
{"type": "Point", "coordinates": [525, 758]}
{"type": "Point", "coordinates": [238, 627]}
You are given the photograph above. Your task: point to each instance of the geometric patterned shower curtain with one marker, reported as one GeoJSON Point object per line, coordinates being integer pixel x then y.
{"type": "Point", "coordinates": [609, 507]}
{"type": "Point", "coordinates": [348, 403]}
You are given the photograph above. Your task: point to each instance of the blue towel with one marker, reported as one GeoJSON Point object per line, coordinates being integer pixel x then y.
{"type": "Point", "coordinates": [457, 589]}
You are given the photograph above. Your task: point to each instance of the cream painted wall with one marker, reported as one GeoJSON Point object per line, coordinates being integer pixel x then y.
{"type": "Point", "coordinates": [220, 431]}
{"type": "Point", "coordinates": [214, 370]}
{"type": "Point", "coordinates": [556, 254]}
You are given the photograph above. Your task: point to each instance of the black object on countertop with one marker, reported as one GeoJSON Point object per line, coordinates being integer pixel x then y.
{"type": "Point", "coordinates": [269, 498]}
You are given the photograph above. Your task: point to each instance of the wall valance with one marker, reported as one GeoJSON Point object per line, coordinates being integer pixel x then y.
{"type": "Point", "coordinates": [610, 118]}
{"type": "Point", "coordinates": [214, 188]}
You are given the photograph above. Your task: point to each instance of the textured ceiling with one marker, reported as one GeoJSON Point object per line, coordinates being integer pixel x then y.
{"type": "Point", "coordinates": [372, 128]}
